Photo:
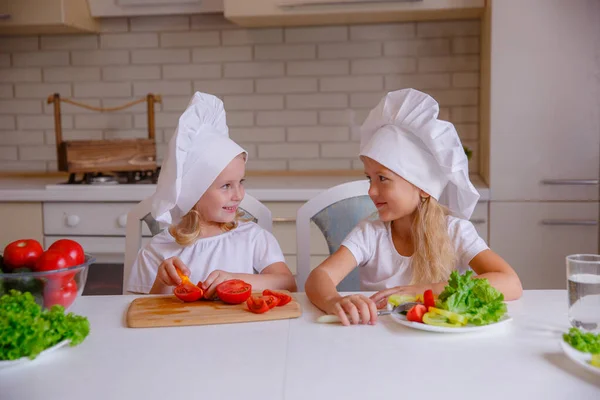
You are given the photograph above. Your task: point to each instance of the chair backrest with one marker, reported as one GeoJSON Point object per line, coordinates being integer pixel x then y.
{"type": "Point", "coordinates": [252, 208]}
{"type": "Point", "coordinates": [335, 212]}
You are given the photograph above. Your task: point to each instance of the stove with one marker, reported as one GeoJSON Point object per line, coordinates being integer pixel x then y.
{"type": "Point", "coordinates": [114, 178]}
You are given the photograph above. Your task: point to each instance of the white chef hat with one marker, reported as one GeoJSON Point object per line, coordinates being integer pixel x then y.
{"type": "Point", "coordinates": [403, 133]}
{"type": "Point", "coordinates": [198, 151]}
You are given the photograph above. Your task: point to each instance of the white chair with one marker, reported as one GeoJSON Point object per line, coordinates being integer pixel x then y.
{"type": "Point", "coordinates": [252, 208]}
{"type": "Point", "coordinates": [335, 212]}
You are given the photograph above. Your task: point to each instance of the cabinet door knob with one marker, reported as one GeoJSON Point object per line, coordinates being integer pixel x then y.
{"type": "Point", "coordinates": [122, 220]}
{"type": "Point", "coordinates": [72, 220]}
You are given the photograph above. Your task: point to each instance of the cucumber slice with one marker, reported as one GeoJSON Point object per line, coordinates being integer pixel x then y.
{"type": "Point", "coordinates": [451, 316]}
{"type": "Point", "coordinates": [439, 320]}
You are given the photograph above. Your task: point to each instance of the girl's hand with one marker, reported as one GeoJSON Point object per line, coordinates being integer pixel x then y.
{"type": "Point", "coordinates": [381, 298]}
{"type": "Point", "coordinates": [167, 271]}
{"type": "Point", "coordinates": [353, 309]}
{"type": "Point", "coordinates": [213, 280]}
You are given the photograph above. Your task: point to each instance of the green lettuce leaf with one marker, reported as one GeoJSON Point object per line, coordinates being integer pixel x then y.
{"type": "Point", "coordinates": [480, 302]}
{"type": "Point", "coordinates": [586, 342]}
{"type": "Point", "coordinates": [26, 329]}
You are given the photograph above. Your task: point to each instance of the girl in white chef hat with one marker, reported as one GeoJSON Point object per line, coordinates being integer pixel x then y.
{"type": "Point", "coordinates": [419, 182]}
{"type": "Point", "coordinates": [197, 196]}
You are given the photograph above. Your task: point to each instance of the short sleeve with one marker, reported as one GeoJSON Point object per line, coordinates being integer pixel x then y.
{"type": "Point", "coordinates": [467, 242]}
{"type": "Point", "coordinates": [144, 270]}
{"type": "Point", "coordinates": [266, 250]}
{"type": "Point", "coordinates": [359, 243]}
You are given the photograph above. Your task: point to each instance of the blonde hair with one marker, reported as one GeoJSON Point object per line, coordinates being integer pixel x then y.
{"type": "Point", "coordinates": [189, 229]}
{"type": "Point", "coordinates": [434, 257]}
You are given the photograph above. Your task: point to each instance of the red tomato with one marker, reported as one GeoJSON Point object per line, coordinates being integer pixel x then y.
{"type": "Point", "coordinates": [282, 297]}
{"type": "Point", "coordinates": [415, 314]}
{"type": "Point", "coordinates": [22, 253]}
{"type": "Point", "coordinates": [188, 292]}
{"type": "Point", "coordinates": [71, 249]}
{"type": "Point", "coordinates": [70, 285]}
{"type": "Point", "coordinates": [428, 299]}
{"type": "Point", "coordinates": [257, 304]}
{"type": "Point", "coordinates": [51, 260]}
{"type": "Point", "coordinates": [63, 296]}
{"type": "Point", "coordinates": [234, 291]}
{"type": "Point", "coordinates": [271, 301]}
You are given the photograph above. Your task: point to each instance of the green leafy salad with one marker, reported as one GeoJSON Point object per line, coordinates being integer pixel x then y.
{"type": "Point", "coordinates": [26, 329]}
{"type": "Point", "coordinates": [476, 299]}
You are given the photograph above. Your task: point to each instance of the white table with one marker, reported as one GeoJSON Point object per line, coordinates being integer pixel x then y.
{"type": "Point", "coordinates": [300, 359]}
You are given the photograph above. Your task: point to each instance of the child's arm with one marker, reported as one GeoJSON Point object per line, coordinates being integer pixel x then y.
{"type": "Point", "coordinates": [274, 276]}
{"type": "Point", "coordinates": [321, 290]}
{"type": "Point", "coordinates": [498, 272]}
{"type": "Point", "coordinates": [486, 264]}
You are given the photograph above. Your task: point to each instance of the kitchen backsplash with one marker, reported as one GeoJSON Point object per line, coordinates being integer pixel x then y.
{"type": "Point", "coordinates": [294, 97]}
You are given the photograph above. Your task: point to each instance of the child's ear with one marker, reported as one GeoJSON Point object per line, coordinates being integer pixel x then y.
{"type": "Point", "coordinates": [423, 194]}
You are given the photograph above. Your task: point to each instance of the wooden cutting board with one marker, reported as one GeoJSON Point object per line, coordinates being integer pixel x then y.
{"type": "Point", "coordinates": [158, 311]}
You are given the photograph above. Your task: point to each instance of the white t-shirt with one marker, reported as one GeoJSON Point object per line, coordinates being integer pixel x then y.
{"type": "Point", "coordinates": [382, 267]}
{"type": "Point", "coordinates": [242, 250]}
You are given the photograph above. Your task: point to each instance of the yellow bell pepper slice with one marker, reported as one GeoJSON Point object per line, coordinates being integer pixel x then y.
{"type": "Point", "coordinates": [184, 278]}
{"type": "Point", "coordinates": [595, 360]}
{"type": "Point", "coordinates": [439, 320]}
{"type": "Point", "coordinates": [451, 316]}
{"type": "Point", "coordinates": [397, 299]}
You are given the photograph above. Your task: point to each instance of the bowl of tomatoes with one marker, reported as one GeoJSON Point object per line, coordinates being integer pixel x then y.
{"type": "Point", "coordinates": [55, 276]}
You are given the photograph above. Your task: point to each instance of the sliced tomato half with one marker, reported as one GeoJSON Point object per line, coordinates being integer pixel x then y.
{"type": "Point", "coordinates": [234, 291]}
{"type": "Point", "coordinates": [188, 292]}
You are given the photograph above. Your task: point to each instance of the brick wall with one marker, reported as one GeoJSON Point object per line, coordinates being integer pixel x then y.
{"type": "Point", "coordinates": [293, 96]}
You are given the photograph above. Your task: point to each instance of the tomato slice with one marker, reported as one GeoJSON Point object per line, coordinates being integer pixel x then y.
{"type": "Point", "coordinates": [188, 292]}
{"type": "Point", "coordinates": [282, 297]}
{"type": "Point", "coordinates": [415, 314]}
{"type": "Point", "coordinates": [257, 304]}
{"type": "Point", "coordinates": [428, 298]}
{"type": "Point", "coordinates": [234, 291]}
{"type": "Point", "coordinates": [271, 301]}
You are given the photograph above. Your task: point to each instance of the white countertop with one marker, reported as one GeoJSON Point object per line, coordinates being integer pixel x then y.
{"type": "Point", "coordinates": [264, 188]}
{"type": "Point", "coordinates": [300, 359]}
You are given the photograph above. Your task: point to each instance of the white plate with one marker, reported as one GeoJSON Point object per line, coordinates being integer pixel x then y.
{"type": "Point", "coordinates": [27, 360]}
{"type": "Point", "coordinates": [401, 319]}
{"type": "Point", "coordinates": [580, 358]}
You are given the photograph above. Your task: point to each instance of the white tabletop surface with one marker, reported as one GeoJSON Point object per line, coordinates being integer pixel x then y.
{"type": "Point", "coordinates": [300, 359]}
{"type": "Point", "coordinates": [263, 188]}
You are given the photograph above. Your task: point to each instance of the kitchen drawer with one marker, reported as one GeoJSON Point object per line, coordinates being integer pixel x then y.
{"type": "Point", "coordinates": [535, 237]}
{"type": "Point", "coordinates": [97, 219]}
{"type": "Point", "coordinates": [24, 220]}
{"type": "Point", "coordinates": [106, 249]}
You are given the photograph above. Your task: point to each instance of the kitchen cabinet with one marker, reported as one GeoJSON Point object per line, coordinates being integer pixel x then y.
{"type": "Point", "coordinates": [544, 135]}
{"type": "Point", "coordinates": [329, 12]}
{"type": "Point", "coordinates": [535, 237]}
{"type": "Point", "coordinates": [33, 17]}
{"type": "Point", "coordinates": [20, 221]}
{"type": "Point", "coordinates": [545, 100]}
{"type": "Point", "coordinates": [128, 8]}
